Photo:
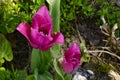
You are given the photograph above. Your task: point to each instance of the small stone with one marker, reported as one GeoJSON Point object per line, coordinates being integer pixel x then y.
{"type": "Point", "coordinates": [83, 75]}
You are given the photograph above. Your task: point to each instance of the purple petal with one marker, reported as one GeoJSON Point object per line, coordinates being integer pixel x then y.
{"type": "Point", "coordinates": [25, 29]}
{"type": "Point", "coordinates": [73, 51]}
{"type": "Point", "coordinates": [71, 60]}
{"type": "Point", "coordinates": [76, 63]}
{"type": "Point", "coordinates": [36, 39]}
{"type": "Point", "coordinates": [46, 29]}
{"type": "Point", "coordinates": [68, 67]}
{"type": "Point", "coordinates": [41, 17]}
{"type": "Point", "coordinates": [40, 39]}
{"type": "Point", "coordinates": [57, 38]}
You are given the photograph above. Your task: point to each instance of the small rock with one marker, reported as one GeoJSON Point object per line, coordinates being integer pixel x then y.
{"type": "Point", "coordinates": [83, 75]}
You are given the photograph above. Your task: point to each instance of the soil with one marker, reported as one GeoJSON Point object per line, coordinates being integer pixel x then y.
{"type": "Point", "coordinates": [21, 51]}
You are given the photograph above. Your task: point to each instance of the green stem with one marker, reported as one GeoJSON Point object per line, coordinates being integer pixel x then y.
{"type": "Point", "coordinates": [36, 74]}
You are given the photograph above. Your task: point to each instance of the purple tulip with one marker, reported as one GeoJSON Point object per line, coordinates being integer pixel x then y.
{"type": "Point", "coordinates": [71, 60]}
{"type": "Point", "coordinates": [39, 34]}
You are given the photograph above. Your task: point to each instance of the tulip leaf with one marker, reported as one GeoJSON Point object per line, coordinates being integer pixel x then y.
{"type": "Point", "coordinates": [40, 60]}
{"type": "Point", "coordinates": [35, 59]}
{"type": "Point", "coordinates": [55, 13]}
{"type": "Point", "coordinates": [5, 50]}
{"type": "Point", "coordinates": [45, 76]}
{"type": "Point", "coordinates": [57, 69]}
{"type": "Point", "coordinates": [50, 2]}
{"type": "Point", "coordinates": [68, 77]}
{"type": "Point", "coordinates": [37, 1]}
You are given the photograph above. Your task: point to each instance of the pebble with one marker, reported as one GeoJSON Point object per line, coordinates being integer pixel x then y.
{"type": "Point", "coordinates": [83, 75]}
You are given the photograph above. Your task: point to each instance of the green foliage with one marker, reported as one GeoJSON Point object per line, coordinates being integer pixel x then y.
{"type": "Point", "coordinates": [88, 10]}
{"type": "Point", "coordinates": [57, 68]}
{"type": "Point", "coordinates": [44, 76]}
{"type": "Point", "coordinates": [40, 61]}
{"type": "Point", "coordinates": [104, 68]}
{"type": "Point", "coordinates": [110, 12]}
{"type": "Point", "coordinates": [71, 8]}
{"type": "Point", "coordinates": [5, 50]}
{"type": "Point", "coordinates": [5, 75]}
{"type": "Point", "coordinates": [30, 77]}
{"type": "Point", "coordinates": [55, 50]}
{"type": "Point", "coordinates": [12, 75]}
{"type": "Point", "coordinates": [10, 16]}
{"type": "Point", "coordinates": [19, 74]}
{"type": "Point", "coordinates": [55, 13]}
{"type": "Point", "coordinates": [13, 12]}
{"type": "Point", "coordinates": [85, 56]}
{"type": "Point", "coordinates": [60, 74]}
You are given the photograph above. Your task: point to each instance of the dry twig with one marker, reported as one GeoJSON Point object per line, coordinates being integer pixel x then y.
{"type": "Point", "coordinates": [99, 51]}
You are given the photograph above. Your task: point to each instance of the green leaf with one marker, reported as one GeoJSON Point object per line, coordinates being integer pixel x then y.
{"type": "Point", "coordinates": [55, 13]}
{"type": "Point", "coordinates": [85, 57]}
{"type": "Point", "coordinates": [70, 16]}
{"type": "Point", "coordinates": [82, 46]}
{"type": "Point", "coordinates": [55, 50]}
{"type": "Point", "coordinates": [37, 2]}
{"type": "Point", "coordinates": [8, 16]}
{"type": "Point", "coordinates": [30, 77]}
{"type": "Point", "coordinates": [40, 60]}
{"type": "Point", "coordinates": [45, 76]}
{"type": "Point", "coordinates": [5, 49]}
{"type": "Point", "coordinates": [2, 69]}
{"type": "Point", "coordinates": [35, 59]}
{"type": "Point", "coordinates": [68, 77]}
{"type": "Point", "coordinates": [57, 69]}
{"type": "Point", "coordinates": [19, 74]}
{"type": "Point", "coordinates": [33, 1]}
{"type": "Point", "coordinates": [50, 2]}
{"type": "Point", "coordinates": [5, 75]}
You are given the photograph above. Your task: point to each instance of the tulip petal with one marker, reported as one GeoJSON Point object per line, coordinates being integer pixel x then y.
{"type": "Point", "coordinates": [39, 23]}
{"type": "Point", "coordinates": [25, 29]}
{"type": "Point", "coordinates": [68, 67]}
{"type": "Point", "coordinates": [76, 63]}
{"type": "Point", "coordinates": [39, 39]}
{"type": "Point", "coordinates": [57, 38]}
{"type": "Point", "coordinates": [41, 17]}
{"type": "Point", "coordinates": [46, 29]}
{"type": "Point", "coordinates": [43, 11]}
{"type": "Point", "coordinates": [72, 51]}
{"type": "Point", "coordinates": [71, 61]}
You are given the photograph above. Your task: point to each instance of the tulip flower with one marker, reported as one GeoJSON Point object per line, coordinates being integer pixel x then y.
{"type": "Point", "coordinates": [39, 34]}
{"type": "Point", "coordinates": [71, 60]}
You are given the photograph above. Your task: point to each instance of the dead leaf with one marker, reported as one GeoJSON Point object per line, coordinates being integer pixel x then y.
{"type": "Point", "coordinates": [114, 75]}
